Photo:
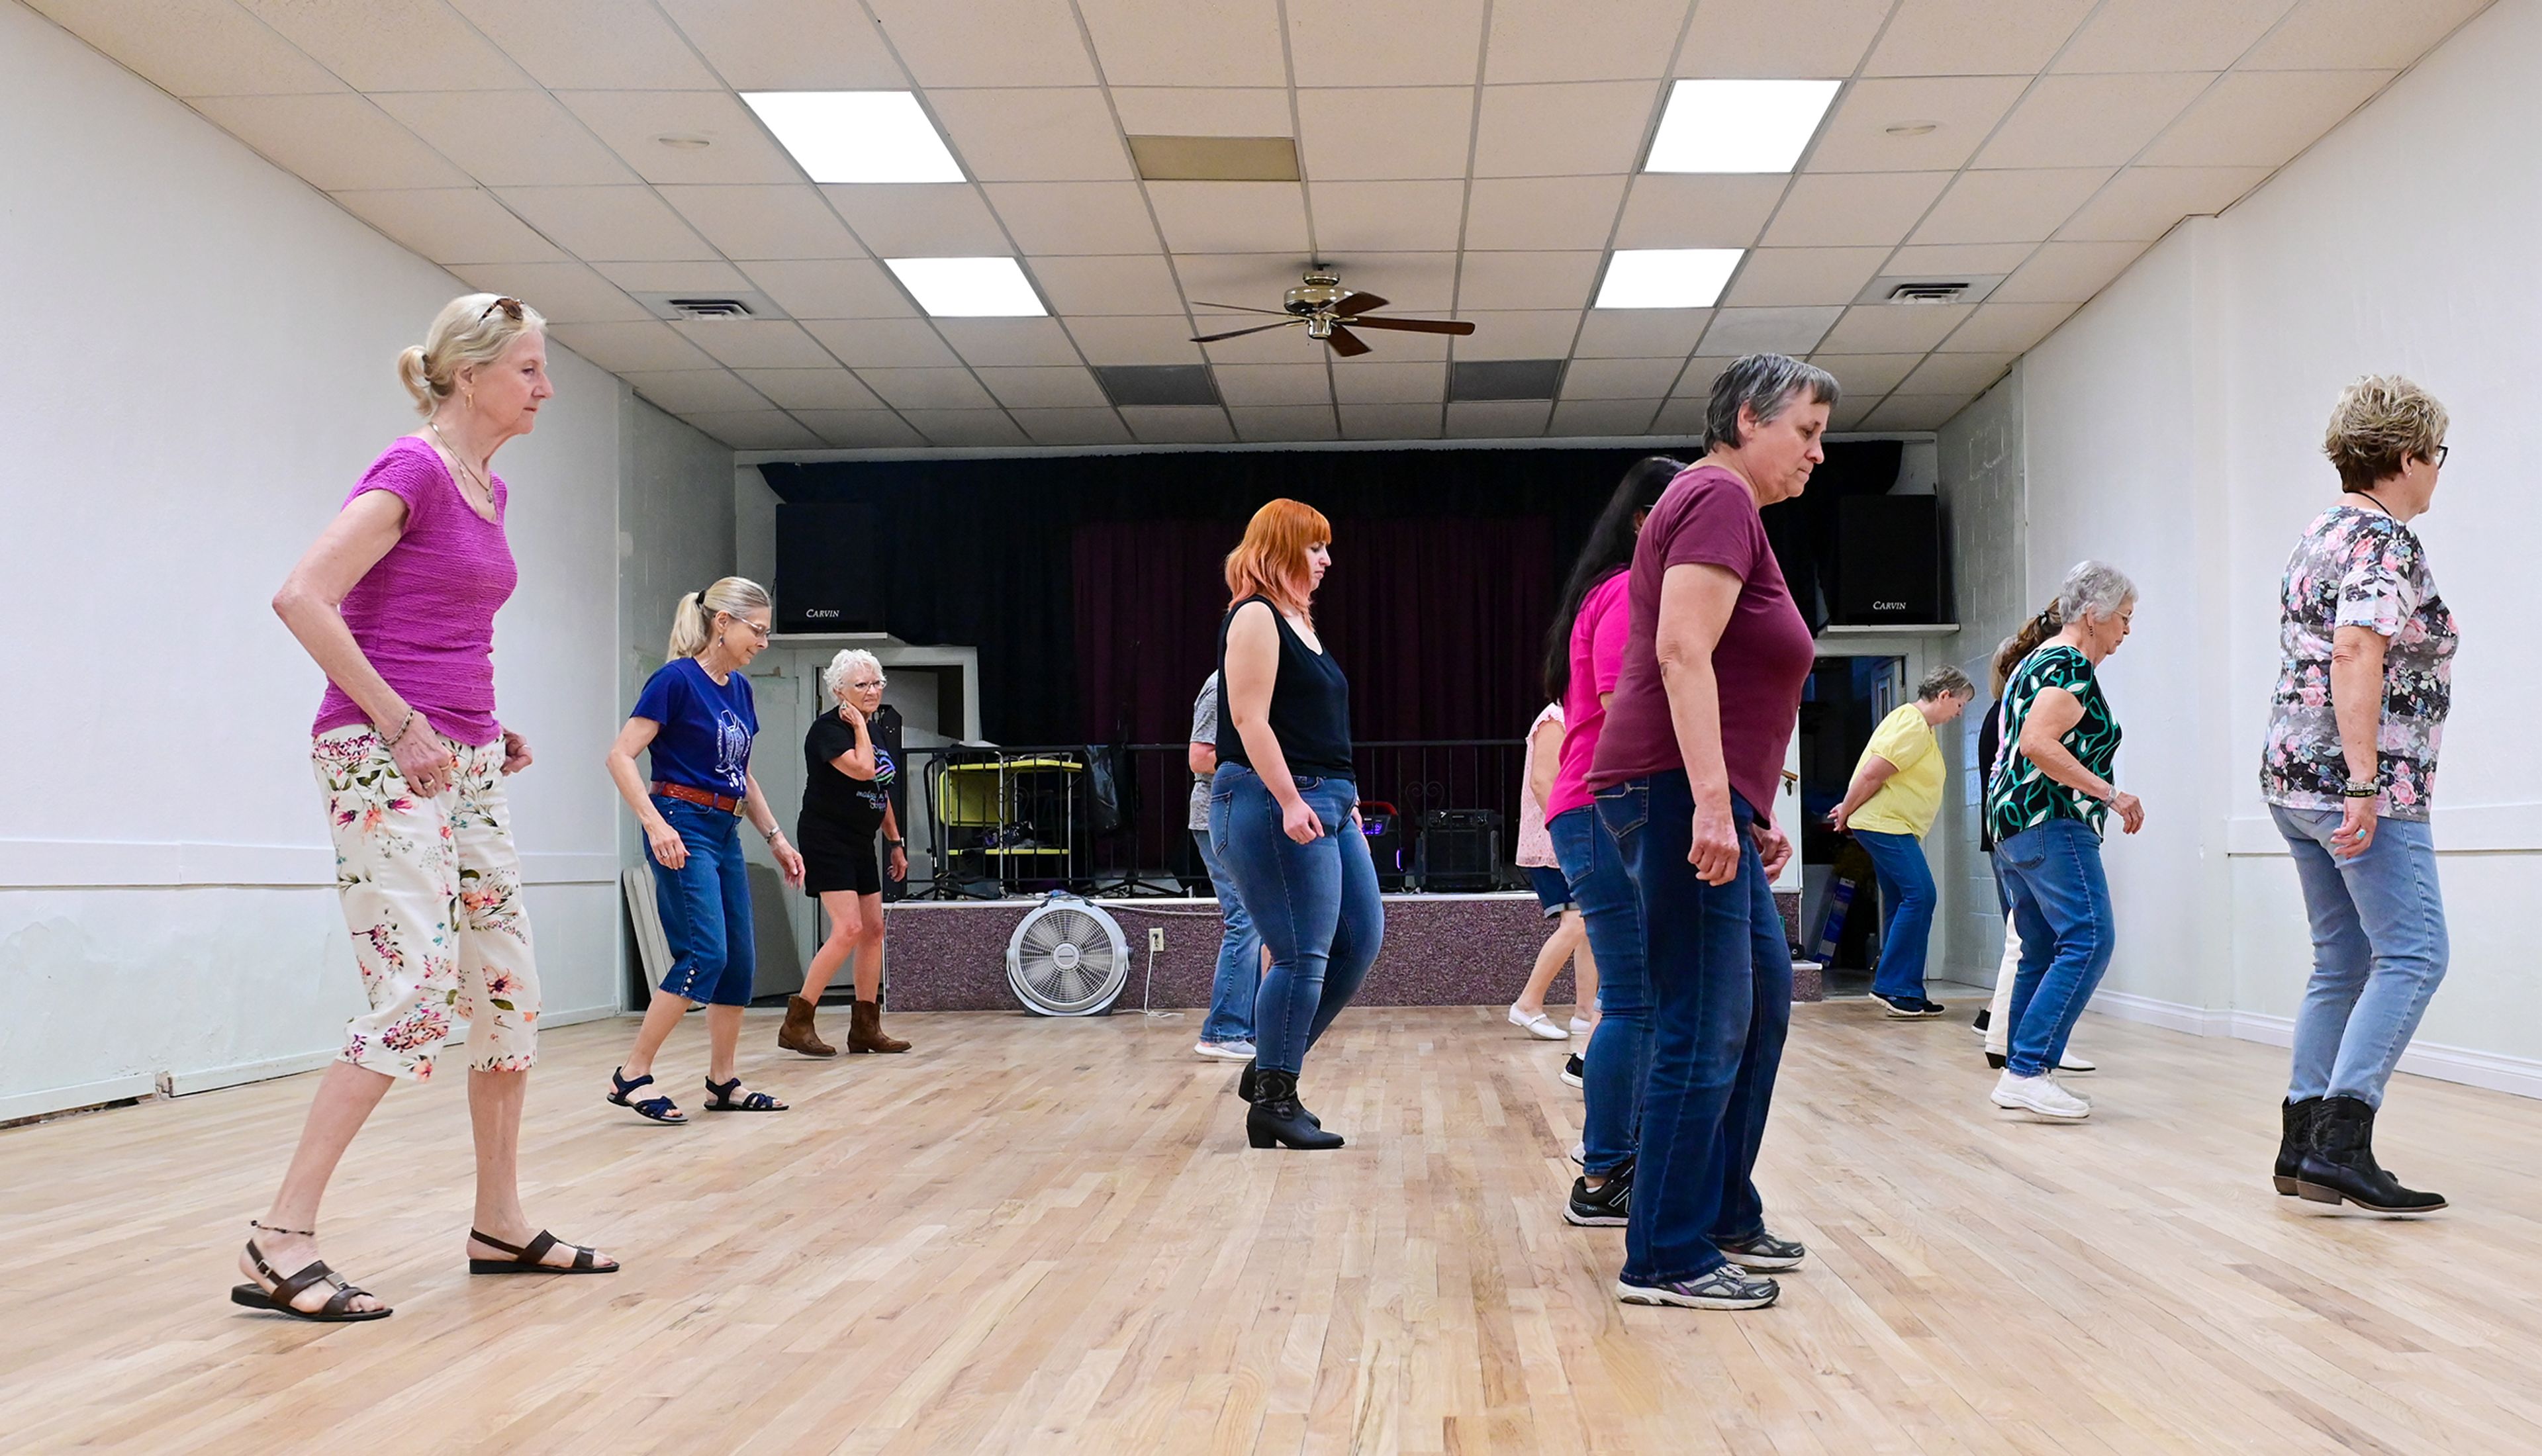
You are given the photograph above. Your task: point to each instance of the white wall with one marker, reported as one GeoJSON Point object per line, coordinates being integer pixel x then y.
{"type": "Point", "coordinates": [1982, 487]}
{"type": "Point", "coordinates": [202, 368]}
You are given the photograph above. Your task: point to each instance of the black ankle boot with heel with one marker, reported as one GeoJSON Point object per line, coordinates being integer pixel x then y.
{"type": "Point", "coordinates": [1276, 1117]}
{"type": "Point", "coordinates": [1245, 1086]}
{"type": "Point", "coordinates": [2298, 1117]}
{"type": "Point", "coordinates": [2339, 1166]}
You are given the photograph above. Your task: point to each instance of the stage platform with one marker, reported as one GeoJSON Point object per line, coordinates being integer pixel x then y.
{"type": "Point", "coordinates": [1440, 950]}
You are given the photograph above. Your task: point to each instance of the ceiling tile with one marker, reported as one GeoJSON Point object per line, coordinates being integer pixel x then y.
{"type": "Point", "coordinates": [1622, 379]}
{"type": "Point", "coordinates": [451, 225]}
{"type": "Point", "coordinates": [333, 142]}
{"type": "Point", "coordinates": [1527, 281]}
{"type": "Point", "coordinates": [740, 150]}
{"type": "Point", "coordinates": [2169, 34]}
{"type": "Point", "coordinates": [1682, 211]}
{"type": "Point", "coordinates": [751, 222]}
{"type": "Point", "coordinates": [884, 344]}
{"type": "Point", "coordinates": [2009, 206]}
{"type": "Point", "coordinates": [1046, 387]}
{"type": "Point", "coordinates": [967, 426]}
{"type": "Point", "coordinates": [1229, 217]}
{"type": "Point", "coordinates": [1165, 340]}
{"type": "Point", "coordinates": [1388, 216]}
{"type": "Point", "coordinates": [1387, 133]}
{"type": "Point", "coordinates": [1569, 129]}
{"type": "Point", "coordinates": [1564, 40]}
{"type": "Point", "coordinates": [1539, 333]}
{"type": "Point", "coordinates": [1989, 259]}
{"type": "Point", "coordinates": [927, 388]}
{"type": "Point", "coordinates": [1173, 111]}
{"type": "Point", "coordinates": [197, 47]}
{"type": "Point", "coordinates": [1973, 37]}
{"type": "Point", "coordinates": [2261, 119]}
{"type": "Point", "coordinates": [1075, 217]}
{"type": "Point", "coordinates": [1009, 342]}
{"type": "Point", "coordinates": [1137, 283]}
{"type": "Point", "coordinates": [694, 275]}
{"type": "Point", "coordinates": [1904, 412]}
{"type": "Point", "coordinates": [682, 390]}
{"type": "Point", "coordinates": [1241, 279]}
{"type": "Point", "coordinates": [592, 43]}
{"type": "Point", "coordinates": [1279, 345]}
{"type": "Point", "coordinates": [1592, 418]}
{"type": "Point", "coordinates": [2089, 121]}
{"type": "Point", "coordinates": [2068, 272]}
{"type": "Point", "coordinates": [921, 219]}
{"type": "Point", "coordinates": [1962, 111]}
{"type": "Point", "coordinates": [1700, 372]}
{"type": "Point", "coordinates": [1074, 427]}
{"type": "Point", "coordinates": [2004, 328]}
{"type": "Point", "coordinates": [811, 389]}
{"type": "Point", "coordinates": [393, 44]}
{"type": "Point", "coordinates": [1034, 134]}
{"type": "Point", "coordinates": [756, 343]}
{"type": "Point", "coordinates": [1388, 345]}
{"type": "Point", "coordinates": [626, 348]}
{"type": "Point", "coordinates": [509, 138]}
{"type": "Point", "coordinates": [1390, 421]}
{"type": "Point", "coordinates": [754, 429]}
{"type": "Point", "coordinates": [1498, 419]}
{"type": "Point", "coordinates": [861, 429]}
{"type": "Point", "coordinates": [1178, 425]}
{"type": "Point", "coordinates": [1410, 282]}
{"type": "Point", "coordinates": [1684, 415]}
{"type": "Point", "coordinates": [2359, 35]}
{"type": "Point", "coordinates": [1269, 423]}
{"type": "Point", "coordinates": [615, 224]}
{"type": "Point", "coordinates": [1274, 383]}
{"type": "Point", "coordinates": [1866, 374]}
{"type": "Point", "coordinates": [1957, 373]}
{"type": "Point", "coordinates": [1635, 334]}
{"type": "Point", "coordinates": [1775, 277]}
{"type": "Point", "coordinates": [1893, 328]}
{"type": "Point", "coordinates": [565, 292]}
{"type": "Point", "coordinates": [2143, 203]}
{"type": "Point", "coordinates": [844, 288]}
{"type": "Point", "coordinates": [1167, 43]}
{"type": "Point", "coordinates": [987, 42]}
{"type": "Point", "coordinates": [788, 45]}
{"type": "Point", "coordinates": [1854, 209]}
{"type": "Point", "coordinates": [1848, 414]}
{"type": "Point", "coordinates": [1790, 38]}
{"type": "Point", "coordinates": [1793, 330]}
{"type": "Point", "coordinates": [1371, 379]}
{"type": "Point", "coordinates": [1543, 212]}
{"type": "Point", "coordinates": [1403, 42]}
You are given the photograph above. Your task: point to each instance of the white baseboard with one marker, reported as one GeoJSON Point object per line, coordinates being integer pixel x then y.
{"type": "Point", "coordinates": [2496, 1072]}
{"type": "Point", "coordinates": [69, 1099]}
{"type": "Point", "coordinates": [239, 1074]}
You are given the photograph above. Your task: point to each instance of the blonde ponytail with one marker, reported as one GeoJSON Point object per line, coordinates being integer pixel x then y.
{"type": "Point", "coordinates": [693, 619]}
{"type": "Point", "coordinates": [474, 328]}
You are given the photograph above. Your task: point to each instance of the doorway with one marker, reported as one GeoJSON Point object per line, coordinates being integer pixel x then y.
{"type": "Point", "coordinates": [1844, 700]}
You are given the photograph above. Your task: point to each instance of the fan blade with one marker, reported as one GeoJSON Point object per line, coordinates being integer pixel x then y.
{"type": "Point", "coordinates": [1240, 333]}
{"type": "Point", "coordinates": [1346, 344]}
{"type": "Point", "coordinates": [1233, 307]}
{"type": "Point", "coordinates": [1417, 325]}
{"type": "Point", "coordinates": [1358, 303]}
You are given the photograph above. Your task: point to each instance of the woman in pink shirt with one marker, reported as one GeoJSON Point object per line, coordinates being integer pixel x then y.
{"type": "Point", "coordinates": [396, 603]}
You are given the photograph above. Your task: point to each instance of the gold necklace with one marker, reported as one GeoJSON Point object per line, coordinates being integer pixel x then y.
{"type": "Point", "coordinates": [467, 473]}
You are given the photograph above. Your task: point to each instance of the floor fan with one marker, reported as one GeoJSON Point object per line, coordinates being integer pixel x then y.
{"type": "Point", "coordinates": [1067, 958]}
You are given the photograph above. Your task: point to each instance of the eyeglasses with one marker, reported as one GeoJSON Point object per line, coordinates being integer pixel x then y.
{"type": "Point", "coordinates": [512, 308]}
{"type": "Point", "coordinates": [756, 629]}
{"type": "Point", "coordinates": [2439, 461]}
{"type": "Point", "coordinates": [872, 687]}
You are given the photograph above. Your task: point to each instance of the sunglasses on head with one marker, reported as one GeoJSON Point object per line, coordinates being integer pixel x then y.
{"type": "Point", "coordinates": [512, 308]}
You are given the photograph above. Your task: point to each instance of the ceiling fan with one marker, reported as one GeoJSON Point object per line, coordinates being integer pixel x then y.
{"type": "Point", "coordinates": [1331, 312]}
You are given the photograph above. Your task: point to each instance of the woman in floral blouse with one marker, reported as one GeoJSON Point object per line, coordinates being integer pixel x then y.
{"type": "Point", "coordinates": [2350, 773]}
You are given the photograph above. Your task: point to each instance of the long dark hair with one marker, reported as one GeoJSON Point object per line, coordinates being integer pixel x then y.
{"type": "Point", "coordinates": [2022, 643]}
{"type": "Point", "coordinates": [1609, 549]}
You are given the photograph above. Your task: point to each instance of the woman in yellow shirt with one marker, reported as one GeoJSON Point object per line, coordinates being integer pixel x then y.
{"type": "Point", "coordinates": [1896, 792]}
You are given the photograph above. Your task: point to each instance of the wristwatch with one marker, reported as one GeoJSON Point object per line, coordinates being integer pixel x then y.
{"type": "Point", "coordinates": [895, 844]}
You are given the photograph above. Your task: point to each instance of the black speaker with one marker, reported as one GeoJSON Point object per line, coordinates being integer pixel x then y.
{"type": "Point", "coordinates": [1383, 827]}
{"type": "Point", "coordinates": [1459, 849]}
{"type": "Point", "coordinates": [1888, 560]}
{"type": "Point", "coordinates": [829, 569]}
{"type": "Point", "coordinates": [886, 730]}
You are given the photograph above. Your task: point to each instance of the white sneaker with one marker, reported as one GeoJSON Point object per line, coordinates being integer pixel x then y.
{"type": "Point", "coordinates": [2041, 1097]}
{"type": "Point", "coordinates": [1223, 1051]}
{"type": "Point", "coordinates": [2077, 1061]}
{"type": "Point", "coordinates": [1537, 1025]}
{"type": "Point", "coordinates": [1581, 1026]}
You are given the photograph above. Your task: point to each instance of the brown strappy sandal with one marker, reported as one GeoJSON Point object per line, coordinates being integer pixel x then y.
{"type": "Point", "coordinates": [339, 1308]}
{"type": "Point", "coordinates": [531, 1260]}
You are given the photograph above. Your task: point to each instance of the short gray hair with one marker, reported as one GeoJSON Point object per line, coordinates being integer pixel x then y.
{"type": "Point", "coordinates": [1945, 682]}
{"type": "Point", "coordinates": [1767, 384]}
{"type": "Point", "coordinates": [848, 661]}
{"type": "Point", "coordinates": [2093, 589]}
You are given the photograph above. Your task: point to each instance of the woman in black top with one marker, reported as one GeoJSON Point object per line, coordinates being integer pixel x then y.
{"type": "Point", "coordinates": [847, 798]}
{"type": "Point", "coordinates": [1284, 810]}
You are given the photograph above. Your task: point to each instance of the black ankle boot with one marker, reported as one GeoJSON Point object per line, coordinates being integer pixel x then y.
{"type": "Point", "coordinates": [1276, 1117]}
{"type": "Point", "coordinates": [2298, 1117]}
{"type": "Point", "coordinates": [2340, 1164]}
{"type": "Point", "coordinates": [1244, 1087]}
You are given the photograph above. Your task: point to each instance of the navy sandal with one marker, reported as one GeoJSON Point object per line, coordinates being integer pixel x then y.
{"type": "Point", "coordinates": [756, 1102]}
{"type": "Point", "coordinates": [531, 1260]}
{"type": "Point", "coordinates": [653, 1109]}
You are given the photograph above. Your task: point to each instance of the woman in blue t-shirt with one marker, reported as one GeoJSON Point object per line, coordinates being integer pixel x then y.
{"type": "Point", "coordinates": [696, 717]}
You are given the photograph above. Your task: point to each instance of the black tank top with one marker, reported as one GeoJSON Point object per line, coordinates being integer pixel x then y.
{"type": "Point", "coordinates": [1309, 705]}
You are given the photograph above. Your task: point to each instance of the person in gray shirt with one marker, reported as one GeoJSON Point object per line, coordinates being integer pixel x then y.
{"type": "Point", "coordinates": [1228, 1033]}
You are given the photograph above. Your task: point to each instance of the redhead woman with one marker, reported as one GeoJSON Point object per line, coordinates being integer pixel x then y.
{"type": "Point", "coordinates": [847, 801]}
{"type": "Point", "coordinates": [396, 603]}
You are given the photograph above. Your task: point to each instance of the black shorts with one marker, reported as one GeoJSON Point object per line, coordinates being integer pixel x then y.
{"type": "Point", "coordinates": [835, 865]}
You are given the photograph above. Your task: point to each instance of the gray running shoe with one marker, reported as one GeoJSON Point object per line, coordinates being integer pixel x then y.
{"type": "Point", "coordinates": [1764, 1252]}
{"type": "Point", "coordinates": [1726, 1287]}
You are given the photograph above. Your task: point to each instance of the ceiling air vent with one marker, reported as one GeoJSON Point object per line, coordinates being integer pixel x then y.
{"type": "Point", "coordinates": [1929, 292]}
{"type": "Point", "coordinates": [682, 305]}
{"type": "Point", "coordinates": [1929, 288]}
{"type": "Point", "coordinates": [708, 308]}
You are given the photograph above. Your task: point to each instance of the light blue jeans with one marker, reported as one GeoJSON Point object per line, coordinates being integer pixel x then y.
{"type": "Point", "coordinates": [2378, 950]}
{"type": "Point", "coordinates": [2060, 904]}
{"type": "Point", "coordinates": [1240, 957]}
{"type": "Point", "coordinates": [1906, 900]}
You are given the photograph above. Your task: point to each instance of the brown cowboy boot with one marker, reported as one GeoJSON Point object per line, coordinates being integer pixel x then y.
{"type": "Point", "coordinates": [799, 1034]}
{"type": "Point", "coordinates": [864, 1030]}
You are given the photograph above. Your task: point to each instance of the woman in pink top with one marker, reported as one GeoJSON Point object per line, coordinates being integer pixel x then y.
{"type": "Point", "coordinates": [396, 603]}
{"type": "Point", "coordinates": [1582, 653]}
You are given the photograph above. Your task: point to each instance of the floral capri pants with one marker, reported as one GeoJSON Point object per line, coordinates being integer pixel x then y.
{"type": "Point", "coordinates": [432, 894]}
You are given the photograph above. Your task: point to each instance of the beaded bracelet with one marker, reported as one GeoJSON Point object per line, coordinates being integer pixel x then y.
{"type": "Point", "coordinates": [392, 740]}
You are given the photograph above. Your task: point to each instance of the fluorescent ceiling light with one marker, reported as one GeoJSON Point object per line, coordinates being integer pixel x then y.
{"type": "Point", "coordinates": [1666, 277]}
{"type": "Point", "coordinates": [1739, 125]}
{"type": "Point", "coordinates": [857, 136]}
{"type": "Point", "coordinates": [969, 287]}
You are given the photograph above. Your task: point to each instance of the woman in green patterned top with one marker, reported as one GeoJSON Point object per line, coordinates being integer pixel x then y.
{"type": "Point", "coordinates": [2046, 802]}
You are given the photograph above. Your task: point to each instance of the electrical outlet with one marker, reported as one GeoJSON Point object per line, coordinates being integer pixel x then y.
{"type": "Point", "coordinates": [1155, 937]}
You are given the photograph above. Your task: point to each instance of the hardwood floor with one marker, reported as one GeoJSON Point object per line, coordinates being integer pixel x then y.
{"type": "Point", "coordinates": [1042, 1236]}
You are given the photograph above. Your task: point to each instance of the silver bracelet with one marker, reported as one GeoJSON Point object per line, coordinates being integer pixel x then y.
{"type": "Point", "coordinates": [772, 834]}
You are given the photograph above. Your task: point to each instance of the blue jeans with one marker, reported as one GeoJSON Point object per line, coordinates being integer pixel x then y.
{"type": "Point", "coordinates": [1906, 899]}
{"type": "Point", "coordinates": [1315, 905]}
{"type": "Point", "coordinates": [1721, 1001]}
{"type": "Point", "coordinates": [2378, 950]}
{"type": "Point", "coordinates": [706, 908]}
{"type": "Point", "coordinates": [1618, 1057]}
{"type": "Point", "coordinates": [1240, 957]}
{"type": "Point", "coordinates": [2060, 904]}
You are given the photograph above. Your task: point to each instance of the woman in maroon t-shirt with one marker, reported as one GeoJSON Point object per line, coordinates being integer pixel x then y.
{"type": "Point", "coordinates": [1684, 777]}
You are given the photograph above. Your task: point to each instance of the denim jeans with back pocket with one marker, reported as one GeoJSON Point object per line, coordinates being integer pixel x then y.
{"type": "Point", "coordinates": [2379, 948]}
{"type": "Point", "coordinates": [1315, 905]}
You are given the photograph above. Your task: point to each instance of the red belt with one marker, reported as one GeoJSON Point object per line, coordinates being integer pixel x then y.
{"type": "Point", "coordinates": [682, 792]}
